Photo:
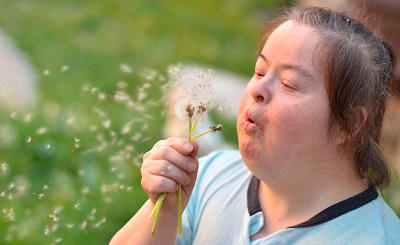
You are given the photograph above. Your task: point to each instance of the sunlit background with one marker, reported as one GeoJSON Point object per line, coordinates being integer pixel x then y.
{"type": "Point", "coordinates": [82, 93]}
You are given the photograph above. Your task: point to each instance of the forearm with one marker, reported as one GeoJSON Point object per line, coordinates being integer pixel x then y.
{"type": "Point", "coordinates": [137, 230]}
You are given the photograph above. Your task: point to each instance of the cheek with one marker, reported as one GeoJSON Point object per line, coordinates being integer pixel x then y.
{"type": "Point", "coordinates": [298, 123]}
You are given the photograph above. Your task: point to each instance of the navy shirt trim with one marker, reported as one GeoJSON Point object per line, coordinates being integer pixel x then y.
{"type": "Point", "coordinates": [332, 212]}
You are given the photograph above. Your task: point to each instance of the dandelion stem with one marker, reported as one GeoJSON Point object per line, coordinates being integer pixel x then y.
{"type": "Point", "coordinates": [157, 209]}
{"type": "Point", "coordinates": [211, 130]}
{"type": "Point", "coordinates": [180, 210]}
{"type": "Point", "coordinates": [193, 127]}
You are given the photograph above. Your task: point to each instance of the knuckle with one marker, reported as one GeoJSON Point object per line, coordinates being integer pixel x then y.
{"type": "Point", "coordinates": [165, 152]}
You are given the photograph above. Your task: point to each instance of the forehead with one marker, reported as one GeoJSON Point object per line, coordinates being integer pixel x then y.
{"type": "Point", "coordinates": [293, 44]}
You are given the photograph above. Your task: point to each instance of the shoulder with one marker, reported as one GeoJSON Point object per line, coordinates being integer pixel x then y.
{"type": "Point", "coordinates": [373, 223]}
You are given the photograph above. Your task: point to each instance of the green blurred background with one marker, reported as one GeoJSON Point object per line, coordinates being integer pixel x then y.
{"type": "Point", "coordinates": [70, 164]}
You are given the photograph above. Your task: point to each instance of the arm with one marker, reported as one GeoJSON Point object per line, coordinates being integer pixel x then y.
{"type": "Point", "coordinates": [164, 167]}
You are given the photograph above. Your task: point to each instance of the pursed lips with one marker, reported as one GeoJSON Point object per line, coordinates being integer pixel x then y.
{"type": "Point", "coordinates": [250, 120]}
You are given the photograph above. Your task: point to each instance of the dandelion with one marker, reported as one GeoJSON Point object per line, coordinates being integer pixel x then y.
{"type": "Point", "coordinates": [194, 101]}
{"type": "Point", "coordinates": [46, 72]}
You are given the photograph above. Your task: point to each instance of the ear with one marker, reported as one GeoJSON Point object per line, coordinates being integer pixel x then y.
{"type": "Point", "coordinates": [360, 115]}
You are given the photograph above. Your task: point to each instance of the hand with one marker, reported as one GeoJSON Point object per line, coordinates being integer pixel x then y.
{"type": "Point", "coordinates": [169, 163]}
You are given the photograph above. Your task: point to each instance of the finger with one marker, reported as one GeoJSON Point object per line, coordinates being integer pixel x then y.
{"type": "Point", "coordinates": [170, 154]}
{"type": "Point", "coordinates": [184, 146]}
{"type": "Point", "coordinates": [154, 185]}
{"type": "Point", "coordinates": [169, 170]}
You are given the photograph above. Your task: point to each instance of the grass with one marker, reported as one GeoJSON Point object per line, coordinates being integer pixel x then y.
{"type": "Point", "coordinates": [69, 165]}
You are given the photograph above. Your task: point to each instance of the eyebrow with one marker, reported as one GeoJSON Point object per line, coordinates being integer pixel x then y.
{"type": "Point", "coordinates": [299, 69]}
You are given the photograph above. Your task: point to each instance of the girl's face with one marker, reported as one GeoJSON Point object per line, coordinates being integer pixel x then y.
{"type": "Point", "coordinates": [284, 111]}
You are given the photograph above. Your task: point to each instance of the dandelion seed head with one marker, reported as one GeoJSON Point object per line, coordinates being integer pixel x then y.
{"type": "Point", "coordinates": [194, 92]}
{"type": "Point", "coordinates": [46, 72]}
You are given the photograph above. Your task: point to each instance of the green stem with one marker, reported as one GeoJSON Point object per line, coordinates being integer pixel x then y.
{"type": "Point", "coordinates": [180, 210]}
{"type": "Point", "coordinates": [156, 212]}
{"type": "Point", "coordinates": [211, 130]}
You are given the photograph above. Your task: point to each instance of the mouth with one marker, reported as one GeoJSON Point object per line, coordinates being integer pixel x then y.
{"type": "Point", "coordinates": [249, 122]}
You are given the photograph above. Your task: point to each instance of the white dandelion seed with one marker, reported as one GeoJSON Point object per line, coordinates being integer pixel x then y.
{"type": "Point", "coordinates": [122, 85]}
{"type": "Point", "coordinates": [100, 222]}
{"type": "Point", "coordinates": [41, 131]}
{"type": "Point", "coordinates": [85, 190]}
{"type": "Point", "coordinates": [101, 96]}
{"type": "Point", "coordinates": [70, 120]}
{"type": "Point", "coordinates": [121, 96]}
{"type": "Point", "coordinates": [4, 167]}
{"type": "Point", "coordinates": [126, 128]}
{"type": "Point", "coordinates": [70, 225]}
{"type": "Point", "coordinates": [125, 68]}
{"type": "Point", "coordinates": [64, 68]}
{"type": "Point", "coordinates": [28, 118]}
{"type": "Point", "coordinates": [77, 206]}
{"type": "Point", "coordinates": [83, 226]}
{"type": "Point", "coordinates": [148, 74]}
{"type": "Point", "coordinates": [106, 123]}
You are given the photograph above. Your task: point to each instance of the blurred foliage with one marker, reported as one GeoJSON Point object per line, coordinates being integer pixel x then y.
{"type": "Point", "coordinates": [69, 165]}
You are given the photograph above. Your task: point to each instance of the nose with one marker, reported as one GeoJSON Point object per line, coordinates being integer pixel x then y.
{"type": "Point", "coordinates": [261, 91]}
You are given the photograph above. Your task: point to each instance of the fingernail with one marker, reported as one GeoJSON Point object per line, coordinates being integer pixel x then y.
{"type": "Point", "coordinates": [188, 147]}
{"type": "Point", "coordinates": [190, 165]}
{"type": "Point", "coordinates": [187, 181]}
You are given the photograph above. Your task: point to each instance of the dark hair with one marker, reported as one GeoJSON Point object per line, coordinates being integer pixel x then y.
{"type": "Point", "coordinates": [357, 67]}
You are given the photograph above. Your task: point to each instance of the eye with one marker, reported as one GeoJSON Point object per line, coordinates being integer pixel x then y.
{"type": "Point", "coordinates": [288, 86]}
{"type": "Point", "coordinates": [258, 74]}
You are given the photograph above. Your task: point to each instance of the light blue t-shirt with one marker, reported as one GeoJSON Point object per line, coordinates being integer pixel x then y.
{"type": "Point", "coordinates": [223, 210]}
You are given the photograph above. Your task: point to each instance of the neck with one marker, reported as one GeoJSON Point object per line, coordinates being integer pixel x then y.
{"type": "Point", "coordinates": [299, 195]}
